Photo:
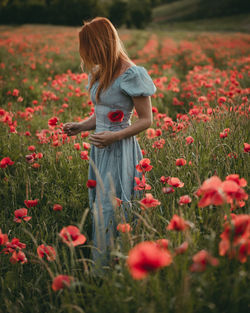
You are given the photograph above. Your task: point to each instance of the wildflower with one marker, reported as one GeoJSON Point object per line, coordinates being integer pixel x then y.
{"type": "Point", "coordinates": [6, 161]}
{"type": "Point", "coordinates": [144, 166]}
{"type": "Point", "coordinates": [182, 248]}
{"type": "Point", "coordinates": [180, 162]}
{"type": "Point", "coordinates": [246, 147]}
{"type": "Point", "coordinates": [18, 257]}
{"type": "Point", "coordinates": [175, 182]}
{"type": "Point", "coordinates": [149, 201]}
{"type": "Point", "coordinates": [177, 223]}
{"type": "Point", "coordinates": [3, 238]}
{"type": "Point", "coordinates": [84, 155]}
{"type": "Point", "coordinates": [184, 200]}
{"type": "Point", "coordinates": [200, 261]}
{"type": "Point", "coordinates": [31, 203]}
{"type": "Point", "coordinates": [47, 251]}
{"type": "Point", "coordinates": [21, 214]}
{"type": "Point", "coordinates": [189, 140]}
{"type": "Point", "coordinates": [124, 228]}
{"type": "Point", "coordinates": [57, 207]}
{"type": "Point", "coordinates": [147, 257]}
{"type": "Point", "coordinates": [71, 236]}
{"type": "Point", "coordinates": [141, 184]}
{"type": "Point", "coordinates": [53, 121]}
{"type": "Point", "coordinates": [61, 281]}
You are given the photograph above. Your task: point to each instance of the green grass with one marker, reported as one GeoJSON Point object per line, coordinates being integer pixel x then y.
{"type": "Point", "coordinates": [200, 58]}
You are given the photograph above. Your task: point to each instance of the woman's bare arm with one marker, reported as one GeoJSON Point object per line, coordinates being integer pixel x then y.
{"type": "Point", "coordinates": [73, 128]}
{"type": "Point", "coordinates": [144, 110]}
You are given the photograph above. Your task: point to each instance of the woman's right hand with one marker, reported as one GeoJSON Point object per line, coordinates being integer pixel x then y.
{"type": "Point", "coordinates": [72, 128]}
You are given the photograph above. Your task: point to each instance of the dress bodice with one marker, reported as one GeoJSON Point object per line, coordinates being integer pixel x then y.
{"type": "Point", "coordinates": [115, 108]}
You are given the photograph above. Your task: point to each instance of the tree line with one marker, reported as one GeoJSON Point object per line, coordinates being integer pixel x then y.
{"type": "Point", "coordinates": [132, 13]}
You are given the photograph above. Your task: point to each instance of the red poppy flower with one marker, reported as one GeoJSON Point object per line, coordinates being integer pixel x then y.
{"type": "Point", "coordinates": [18, 257]}
{"type": "Point", "coordinates": [84, 155]}
{"type": "Point", "coordinates": [71, 236]}
{"type": "Point", "coordinates": [13, 245]}
{"type": "Point", "coordinates": [235, 239]}
{"type": "Point", "coordinates": [91, 183]}
{"type": "Point", "coordinates": [3, 238]}
{"type": "Point", "coordinates": [6, 161]}
{"type": "Point", "coordinates": [141, 184]}
{"type": "Point", "coordinates": [53, 121]}
{"type": "Point", "coordinates": [180, 162]}
{"type": "Point", "coordinates": [149, 201]}
{"type": "Point", "coordinates": [116, 116]}
{"type": "Point", "coordinates": [146, 257]}
{"type": "Point", "coordinates": [124, 228]}
{"type": "Point", "coordinates": [47, 251]}
{"type": "Point", "coordinates": [184, 200]}
{"type": "Point", "coordinates": [189, 140]}
{"type": "Point", "coordinates": [246, 147]}
{"type": "Point", "coordinates": [177, 223]}
{"type": "Point", "coordinates": [21, 214]}
{"type": "Point", "coordinates": [201, 259]}
{"type": "Point", "coordinates": [144, 166]}
{"type": "Point", "coordinates": [57, 207]}
{"type": "Point", "coordinates": [31, 203]}
{"type": "Point", "coordinates": [61, 281]}
{"type": "Point", "coordinates": [175, 182]}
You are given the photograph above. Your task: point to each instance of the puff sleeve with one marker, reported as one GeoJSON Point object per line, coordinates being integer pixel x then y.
{"type": "Point", "coordinates": [137, 82]}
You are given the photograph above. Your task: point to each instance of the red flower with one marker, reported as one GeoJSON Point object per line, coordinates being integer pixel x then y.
{"type": "Point", "coordinates": [189, 140]}
{"type": "Point", "coordinates": [116, 116]}
{"type": "Point", "coordinates": [141, 184]}
{"type": "Point", "coordinates": [180, 162]}
{"type": "Point", "coordinates": [3, 238]}
{"type": "Point", "coordinates": [246, 147]}
{"type": "Point", "coordinates": [144, 166]}
{"type": "Point", "coordinates": [236, 178]}
{"type": "Point", "coordinates": [47, 251]}
{"type": "Point", "coordinates": [91, 183]}
{"type": "Point", "coordinates": [6, 161]}
{"type": "Point", "coordinates": [84, 155]}
{"type": "Point", "coordinates": [77, 146]}
{"type": "Point", "coordinates": [201, 259]}
{"type": "Point", "coordinates": [53, 121]}
{"type": "Point", "coordinates": [235, 239]}
{"type": "Point", "coordinates": [71, 236]}
{"type": "Point", "coordinates": [57, 207]}
{"type": "Point", "coordinates": [15, 244]}
{"type": "Point", "coordinates": [175, 182]}
{"type": "Point", "coordinates": [149, 201]}
{"type": "Point", "coordinates": [167, 190]}
{"type": "Point", "coordinates": [211, 192]}
{"type": "Point", "coordinates": [184, 200]}
{"type": "Point", "coordinates": [31, 148]}
{"type": "Point", "coordinates": [61, 281]}
{"type": "Point", "coordinates": [146, 257]}
{"type": "Point", "coordinates": [177, 223]}
{"type": "Point", "coordinates": [31, 203]}
{"type": "Point", "coordinates": [18, 257]}
{"type": "Point", "coordinates": [21, 214]}
{"type": "Point", "coordinates": [124, 228]}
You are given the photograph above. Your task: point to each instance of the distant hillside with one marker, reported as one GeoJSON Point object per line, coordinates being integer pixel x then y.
{"type": "Point", "coordinates": [188, 10]}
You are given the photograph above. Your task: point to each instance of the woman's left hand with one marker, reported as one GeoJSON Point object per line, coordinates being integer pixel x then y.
{"type": "Point", "coordinates": [103, 139]}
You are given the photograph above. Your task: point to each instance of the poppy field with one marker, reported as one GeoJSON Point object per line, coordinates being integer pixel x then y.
{"type": "Point", "coordinates": [188, 250]}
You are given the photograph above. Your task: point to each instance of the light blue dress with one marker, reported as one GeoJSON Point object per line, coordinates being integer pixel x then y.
{"type": "Point", "coordinates": [115, 165]}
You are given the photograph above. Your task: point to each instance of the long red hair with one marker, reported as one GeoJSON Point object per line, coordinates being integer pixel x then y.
{"type": "Point", "coordinates": [102, 52]}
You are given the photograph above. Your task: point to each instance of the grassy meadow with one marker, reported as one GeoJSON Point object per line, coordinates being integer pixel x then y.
{"type": "Point", "coordinates": [189, 251]}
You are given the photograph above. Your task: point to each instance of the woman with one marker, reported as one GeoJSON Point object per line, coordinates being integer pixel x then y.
{"type": "Point", "coordinates": [116, 86]}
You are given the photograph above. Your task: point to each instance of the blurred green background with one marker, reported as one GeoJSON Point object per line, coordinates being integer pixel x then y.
{"type": "Point", "coordinates": [232, 15]}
